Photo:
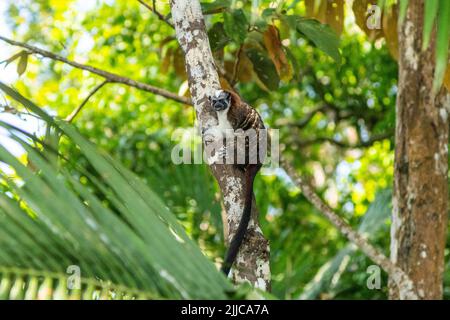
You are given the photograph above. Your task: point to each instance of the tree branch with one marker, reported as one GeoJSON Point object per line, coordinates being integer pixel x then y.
{"type": "Point", "coordinates": [304, 122]}
{"type": "Point", "coordinates": [236, 66]}
{"type": "Point", "coordinates": [111, 77]}
{"type": "Point", "coordinates": [75, 112]}
{"type": "Point", "coordinates": [361, 144]}
{"type": "Point", "coordinates": [300, 124]}
{"type": "Point", "coordinates": [252, 262]}
{"type": "Point", "coordinates": [336, 115]}
{"type": "Point", "coordinates": [401, 278]}
{"type": "Point", "coordinates": [159, 14]}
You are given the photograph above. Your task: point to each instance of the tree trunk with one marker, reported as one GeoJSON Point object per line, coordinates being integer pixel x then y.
{"type": "Point", "coordinates": [252, 262]}
{"type": "Point", "coordinates": [419, 219]}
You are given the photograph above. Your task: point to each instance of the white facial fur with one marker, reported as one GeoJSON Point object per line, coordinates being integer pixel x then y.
{"type": "Point", "coordinates": [224, 124]}
{"type": "Point", "coordinates": [217, 93]}
{"type": "Point", "coordinates": [223, 128]}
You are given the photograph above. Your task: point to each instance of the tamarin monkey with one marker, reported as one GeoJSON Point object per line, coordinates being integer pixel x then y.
{"type": "Point", "coordinates": [233, 113]}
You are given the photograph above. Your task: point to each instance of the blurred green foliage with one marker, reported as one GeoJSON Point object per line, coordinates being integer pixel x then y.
{"type": "Point", "coordinates": [327, 114]}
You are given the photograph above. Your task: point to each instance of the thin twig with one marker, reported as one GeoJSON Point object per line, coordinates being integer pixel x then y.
{"type": "Point", "coordinates": [236, 65]}
{"type": "Point", "coordinates": [399, 276]}
{"type": "Point", "coordinates": [111, 77]}
{"type": "Point", "coordinates": [303, 122]}
{"type": "Point", "coordinates": [361, 144]}
{"type": "Point", "coordinates": [75, 112]}
{"type": "Point", "coordinates": [159, 14]}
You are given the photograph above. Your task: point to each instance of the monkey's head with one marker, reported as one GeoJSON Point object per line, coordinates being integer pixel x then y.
{"type": "Point", "coordinates": [221, 100]}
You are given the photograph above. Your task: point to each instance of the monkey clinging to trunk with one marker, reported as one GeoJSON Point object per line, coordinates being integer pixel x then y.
{"type": "Point", "coordinates": [241, 120]}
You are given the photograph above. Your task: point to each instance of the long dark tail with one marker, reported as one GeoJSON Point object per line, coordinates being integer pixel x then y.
{"type": "Point", "coordinates": [236, 242]}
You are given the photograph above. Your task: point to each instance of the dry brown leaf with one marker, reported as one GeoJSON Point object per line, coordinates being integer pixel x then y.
{"type": "Point", "coordinates": [310, 5]}
{"type": "Point", "coordinates": [321, 11]}
{"type": "Point", "coordinates": [447, 78]}
{"type": "Point", "coordinates": [167, 60]}
{"type": "Point", "coordinates": [316, 9]}
{"type": "Point", "coordinates": [178, 63]}
{"type": "Point", "coordinates": [390, 18]}
{"type": "Point", "coordinates": [335, 15]}
{"type": "Point", "coordinates": [224, 84]}
{"type": "Point", "coordinates": [244, 69]}
{"type": "Point", "coordinates": [276, 53]}
{"type": "Point", "coordinates": [361, 14]}
{"type": "Point", "coordinates": [165, 41]}
{"type": "Point", "coordinates": [327, 11]}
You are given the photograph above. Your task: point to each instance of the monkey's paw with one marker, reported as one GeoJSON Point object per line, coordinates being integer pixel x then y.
{"type": "Point", "coordinates": [211, 134]}
{"type": "Point", "coordinates": [219, 156]}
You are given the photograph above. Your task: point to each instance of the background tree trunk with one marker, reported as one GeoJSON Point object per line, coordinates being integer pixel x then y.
{"type": "Point", "coordinates": [419, 221]}
{"type": "Point", "coordinates": [252, 262]}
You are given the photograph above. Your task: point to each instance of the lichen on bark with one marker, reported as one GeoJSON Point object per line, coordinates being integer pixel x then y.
{"type": "Point", "coordinates": [253, 259]}
{"type": "Point", "coordinates": [419, 220]}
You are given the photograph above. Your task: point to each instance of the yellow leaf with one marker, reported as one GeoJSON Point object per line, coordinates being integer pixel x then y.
{"type": "Point", "coordinates": [12, 58]}
{"type": "Point", "coordinates": [447, 78]}
{"type": "Point", "coordinates": [178, 63]}
{"type": "Point", "coordinates": [167, 60]}
{"type": "Point", "coordinates": [22, 65]}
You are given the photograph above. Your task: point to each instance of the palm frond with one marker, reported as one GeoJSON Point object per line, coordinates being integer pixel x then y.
{"type": "Point", "coordinates": [133, 245]}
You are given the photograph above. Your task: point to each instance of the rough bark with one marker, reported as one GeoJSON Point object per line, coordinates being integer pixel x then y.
{"type": "Point", "coordinates": [252, 263]}
{"type": "Point", "coordinates": [419, 220]}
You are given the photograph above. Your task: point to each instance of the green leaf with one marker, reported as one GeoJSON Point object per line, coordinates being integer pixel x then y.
{"type": "Point", "coordinates": [442, 41]}
{"type": "Point", "coordinates": [264, 20]}
{"type": "Point", "coordinates": [236, 25]}
{"type": "Point", "coordinates": [291, 20]}
{"type": "Point", "coordinates": [322, 36]}
{"type": "Point", "coordinates": [51, 141]}
{"type": "Point", "coordinates": [261, 24]}
{"type": "Point", "coordinates": [268, 13]}
{"type": "Point", "coordinates": [294, 62]}
{"type": "Point", "coordinates": [134, 243]}
{"type": "Point", "coordinates": [26, 103]}
{"type": "Point", "coordinates": [217, 37]}
{"type": "Point", "coordinates": [22, 64]}
{"type": "Point", "coordinates": [431, 9]}
{"type": "Point", "coordinates": [264, 68]}
{"type": "Point", "coordinates": [402, 10]}
{"type": "Point", "coordinates": [33, 284]}
{"type": "Point", "coordinates": [12, 58]}
{"type": "Point", "coordinates": [215, 7]}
